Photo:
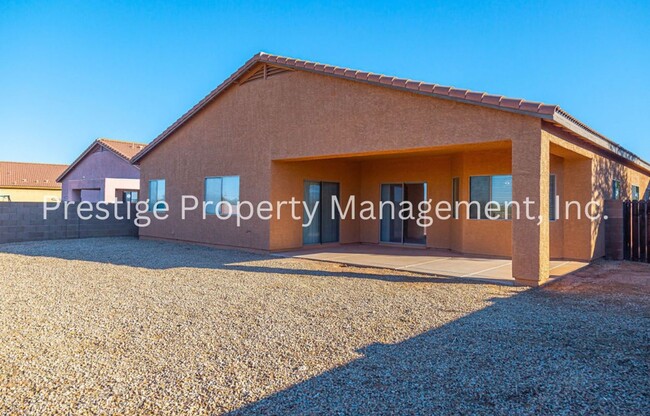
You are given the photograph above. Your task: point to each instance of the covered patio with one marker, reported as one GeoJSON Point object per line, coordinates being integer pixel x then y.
{"type": "Point", "coordinates": [434, 262]}
{"type": "Point", "coordinates": [500, 171]}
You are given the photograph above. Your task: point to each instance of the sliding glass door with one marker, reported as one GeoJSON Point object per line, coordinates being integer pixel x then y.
{"type": "Point", "coordinates": [393, 228]}
{"type": "Point", "coordinates": [311, 231]}
{"type": "Point", "coordinates": [324, 227]}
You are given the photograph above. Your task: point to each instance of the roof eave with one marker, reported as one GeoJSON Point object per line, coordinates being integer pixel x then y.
{"type": "Point", "coordinates": [36, 188]}
{"type": "Point", "coordinates": [197, 107]}
{"type": "Point", "coordinates": [76, 161]}
{"type": "Point", "coordinates": [258, 58]}
{"type": "Point", "coordinates": [547, 112]}
{"type": "Point", "coordinates": [85, 153]}
{"type": "Point", "coordinates": [569, 122]}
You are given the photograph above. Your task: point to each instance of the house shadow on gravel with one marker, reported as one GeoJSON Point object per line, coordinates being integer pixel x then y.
{"type": "Point", "coordinates": [539, 352]}
{"type": "Point", "coordinates": [542, 351]}
{"type": "Point", "coordinates": [161, 255]}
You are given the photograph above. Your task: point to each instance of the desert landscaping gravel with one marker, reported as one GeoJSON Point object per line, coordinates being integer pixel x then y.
{"type": "Point", "coordinates": [127, 326]}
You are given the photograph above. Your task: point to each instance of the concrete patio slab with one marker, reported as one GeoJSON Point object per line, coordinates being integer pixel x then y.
{"type": "Point", "coordinates": [439, 263]}
{"type": "Point", "coordinates": [562, 267]}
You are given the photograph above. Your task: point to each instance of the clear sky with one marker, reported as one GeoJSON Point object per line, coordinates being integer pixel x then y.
{"type": "Point", "coordinates": [76, 70]}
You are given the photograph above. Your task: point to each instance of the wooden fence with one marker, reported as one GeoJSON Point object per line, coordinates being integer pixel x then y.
{"type": "Point", "coordinates": [636, 232]}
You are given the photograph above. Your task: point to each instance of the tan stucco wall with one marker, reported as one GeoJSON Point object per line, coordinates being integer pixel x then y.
{"type": "Point", "coordinates": [434, 170]}
{"type": "Point", "coordinates": [299, 115]}
{"type": "Point", "coordinates": [530, 181]}
{"type": "Point", "coordinates": [289, 180]}
{"type": "Point", "coordinates": [272, 132]}
{"type": "Point", "coordinates": [363, 177]}
{"type": "Point", "coordinates": [589, 173]}
{"type": "Point", "coordinates": [31, 195]}
{"type": "Point", "coordinates": [556, 227]}
{"type": "Point", "coordinates": [478, 236]}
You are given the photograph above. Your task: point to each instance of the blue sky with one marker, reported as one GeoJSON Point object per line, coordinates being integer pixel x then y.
{"type": "Point", "coordinates": [74, 71]}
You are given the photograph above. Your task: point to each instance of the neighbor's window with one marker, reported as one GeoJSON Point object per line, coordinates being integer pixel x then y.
{"type": "Point", "coordinates": [635, 193]}
{"type": "Point", "coordinates": [130, 197]}
{"type": "Point", "coordinates": [484, 189]}
{"type": "Point", "coordinates": [156, 195]}
{"type": "Point", "coordinates": [221, 191]}
{"type": "Point", "coordinates": [616, 189]}
{"type": "Point", "coordinates": [455, 196]}
{"type": "Point", "coordinates": [552, 194]}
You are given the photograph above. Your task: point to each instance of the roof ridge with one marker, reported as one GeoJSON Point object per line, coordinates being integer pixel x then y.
{"type": "Point", "coordinates": [110, 144]}
{"type": "Point", "coordinates": [549, 112]}
{"type": "Point", "coordinates": [119, 141]}
{"type": "Point", "coordinates": [477, 97]}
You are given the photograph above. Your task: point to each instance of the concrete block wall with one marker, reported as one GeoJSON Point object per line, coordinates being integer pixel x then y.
{"type": "Point", "coordinates": [23, 221]}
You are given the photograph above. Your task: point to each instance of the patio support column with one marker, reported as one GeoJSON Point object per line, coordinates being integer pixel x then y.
{"type": "Point", "coordinates": [530, 238]}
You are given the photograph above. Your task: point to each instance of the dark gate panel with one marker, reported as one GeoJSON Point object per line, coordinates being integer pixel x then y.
{"type": "Point", "coordinates": [636, 231]}
{"type": "Point", "coordinates": [647, 231]}
{"type": "Point", "coordinates": [642, 221]}
{"type": "Point", "coordinates": [627, 230]}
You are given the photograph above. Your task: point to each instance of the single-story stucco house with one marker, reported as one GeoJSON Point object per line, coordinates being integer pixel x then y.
{"type": "Point", "coordinates": [103, 172]}
{"type": "Point", "coordinates": [280, 128]}
{"type": "Point", "coordinates": [30, 182]}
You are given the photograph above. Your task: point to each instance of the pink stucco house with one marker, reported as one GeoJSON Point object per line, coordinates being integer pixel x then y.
{"type": "Point", "coordinates": [103, 172]}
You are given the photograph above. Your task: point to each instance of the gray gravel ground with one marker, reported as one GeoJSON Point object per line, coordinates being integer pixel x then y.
{"type": "Point", "coordinates": [140, 327]}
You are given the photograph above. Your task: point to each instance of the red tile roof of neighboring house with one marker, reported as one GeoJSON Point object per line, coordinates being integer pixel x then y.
{"type": "Point", "coordinates": [125, 150]}
{"type": "Point", "coordinates": [30, 175]}
{"type": "Point", "coordinates": [550, 112]}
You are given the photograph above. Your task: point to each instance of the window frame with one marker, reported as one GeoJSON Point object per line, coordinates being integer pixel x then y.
{"type": "Point", "coordinates": [130, 197]}
{"type": "Point", "coordinates": [153, 204]}
{"type": "Point", "coordinates": [455, 196]}
{"type": "Point", "coordinates": [616, 189]}
{"type": "Point", "coordinates": [638, 193]}
{"type": "Point", "coordinates": [491, 177]}
{"type": "Point", "coordinates": [234, 211]}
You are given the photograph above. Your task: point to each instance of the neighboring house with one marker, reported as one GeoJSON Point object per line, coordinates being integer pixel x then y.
{"type": "Point", "coordinates": [280, 128]}
{"type": "Point", "coordinates": [103, 172]}
{"type": "Point", "coordinates": [29, 182]}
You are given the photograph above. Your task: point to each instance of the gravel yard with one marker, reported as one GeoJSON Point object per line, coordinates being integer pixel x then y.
{"type": "Point", "coordinates": [138, 327]}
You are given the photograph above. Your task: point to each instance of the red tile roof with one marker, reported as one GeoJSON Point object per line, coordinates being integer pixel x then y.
{"type": "Point", "coordinates": [125, 150]}
{"type": "Point", "coordinates": [30, 175]}
{"type": "Point", "coordinates": [550, 112]}
{"type": "Point", "coordinates": [432, 89]}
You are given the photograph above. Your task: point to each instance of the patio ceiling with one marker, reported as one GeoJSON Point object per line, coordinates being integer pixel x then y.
{"type": "Point", "coordinates": [432, 151]}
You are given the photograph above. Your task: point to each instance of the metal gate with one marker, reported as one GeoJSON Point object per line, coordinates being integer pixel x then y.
{"type": "Point", "coordinates": [636, 233]}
